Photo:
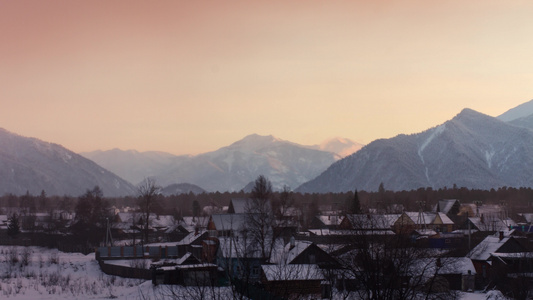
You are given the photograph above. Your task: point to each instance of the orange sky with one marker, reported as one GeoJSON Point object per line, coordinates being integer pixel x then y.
{"type": "Point", "coordinates": [188, 77]}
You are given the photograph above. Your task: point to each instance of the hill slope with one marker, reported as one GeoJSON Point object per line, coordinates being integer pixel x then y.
{"type": "Point", "coordinates": [231, 168]}
{"type": "Point", "coordinates": [135, 166]}
{"type": "Point", "coordinates": [29, 164]}
{"type": "Point", "coordinates": [471, 150]}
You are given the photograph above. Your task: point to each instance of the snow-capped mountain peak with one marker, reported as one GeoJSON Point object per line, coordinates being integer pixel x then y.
{"type": "Point", "coordinates": [340, 146]}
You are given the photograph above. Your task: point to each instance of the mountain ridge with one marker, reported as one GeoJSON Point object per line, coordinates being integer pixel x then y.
{"type": "Point", "coordinates": [472, 150]}
{"type": "Point", "coordinates": [32, 165]}
{"type": "Point", "coordinates": [235, 164]}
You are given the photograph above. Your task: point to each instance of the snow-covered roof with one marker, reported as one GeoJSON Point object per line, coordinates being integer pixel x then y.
{"type": "Point", "coordinates": [445, 219]}
{"type": "Point", "coordinates": [465, 231]}
{"type": "Point", "coordinates": [291, 212]}
{"type": "Point", "coordinates": [516, 255]}
{"type": "Point", "coordinates": [128, 217]}
{"type": "Point", "coordinates": [191, 237]}
{"type": "Point", "coordinates": [509, 222]}
{"type": "Point", "coordinates": [348, 233]}
{"type": "Point", "coordinates": [489, 223]}
{"type": "Point", "coordinates": [484, 209]}
{"type": "Point", "coordinates": [330, 220]}
{"type": "Point", "coordinates": [292, 272]}
{"type": "Point", "coordinates": [421, 218]}
{"type": "Point", "coordinates": [194, 266]}
{"type": "Point", "coordinates": [448, 265]}
{"type": "Point", "coordinates": [182, 259]}
{"type": "Point", "coordinates": [162, 220]}
{"type": "Point", "coordinates": [372, 221]}
{"type": "Point", "coordinates": [446, 205]}
{"type": "Point", "coordinates": [190, 222]}
{"type": "Point", "coordinates": [288, 253]}
{"type": "Point", "coordinates": [426, 232]}
{"type": "Point", "coordinates": [528, 217]}
{"type": "Point", "coordinates": [490, 244]}
{"type": "Point", "coordinates": [133, 263]}
{"type": "Point", "coordinates": [229, 221]}
{"type": "Point", "coordinates": [240, 205]}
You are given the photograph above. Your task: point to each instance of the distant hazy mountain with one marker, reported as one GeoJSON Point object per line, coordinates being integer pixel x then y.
{"type": "Point", "coordinates": [135, 166]}
{"type": "Point", "coordinates": [471, 150]}
{"type": "Point", "coordinates": [230, 168]}
{"type": "Point", "coordinates": [181, 188]}
{"type": "Point", "coordinates": [233, 167]}
{"type": "Point", "coordinates": [521, 111]}
{"type": "Point", "coordinates": [526, 122]}
{"type": "Point", "coordinates": [29, 164]}
{"type": "Point", "coordinates": [342, 147]}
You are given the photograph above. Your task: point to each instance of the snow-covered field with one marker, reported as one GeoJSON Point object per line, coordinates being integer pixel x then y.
{"type": "Point", "coordinates": [40, 273]}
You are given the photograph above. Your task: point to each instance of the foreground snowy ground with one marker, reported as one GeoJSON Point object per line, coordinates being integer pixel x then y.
{"type": "Point", "coordinates": [40, 273]}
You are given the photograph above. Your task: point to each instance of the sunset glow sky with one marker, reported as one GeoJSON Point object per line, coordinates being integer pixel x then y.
{"type": "Point", "coordinates": [188, 77]}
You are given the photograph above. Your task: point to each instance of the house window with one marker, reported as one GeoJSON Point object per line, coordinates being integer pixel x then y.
{"type": "Point", "coordinates": [447, 241]}
{"type": "Point", "coordinates": [255, 271]}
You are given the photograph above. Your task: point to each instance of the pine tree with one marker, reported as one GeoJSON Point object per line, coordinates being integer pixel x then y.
{"type": "Point", "coordinates": [356, 205]}
{"type": "Point", "coordinates": [13, 228]}
{"type": "Point", "coordinates": [352, 204]}
{"type": "Point", "coordinates": [196, 209]}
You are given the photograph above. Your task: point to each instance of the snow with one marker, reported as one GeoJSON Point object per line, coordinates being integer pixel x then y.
{"type": "Point", "coordinates": [490, 244]}
{"type": "Point", "coordinates": [51, 274]}
{"type": "Point", "coordinates": [438, 130]}
{"type": "Point", "coordinates": [488, 156]}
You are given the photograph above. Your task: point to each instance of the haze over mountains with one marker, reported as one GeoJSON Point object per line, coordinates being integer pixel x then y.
{"type": "Point", "coordinates": [230, 168]}
{"type": "Point", "coordinates": [31, 165]}
{"type": "Point", "coordinates": [472, 150]}
{"type": "Point", "coordinates": [521, 115]}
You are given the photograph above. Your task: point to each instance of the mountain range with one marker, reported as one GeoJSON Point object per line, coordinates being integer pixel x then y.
{"type": "Point", "coordinates": [31, 165]}
{"type": "Point", "coordinates": [471, 150]}
{"type": "Point", "coordinates": [229, 168]}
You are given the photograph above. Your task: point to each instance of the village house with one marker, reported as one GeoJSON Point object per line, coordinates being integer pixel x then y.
{"type": "Point", "coordinates": [326, 222]}
{"type": "Point", "coordinates": [501, 242]}
{"type": "Point", "coordinates": [299, 268]}
{"type": "Point", "coordinates": [447, 273]}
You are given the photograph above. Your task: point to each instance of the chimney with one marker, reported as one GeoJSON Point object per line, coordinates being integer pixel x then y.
{"type": "Point", "coordinates": [196, 230]}
{"type": "Point", "coordinates": [482, 219]}
{"type": "Point", "coordinates": [292, 243]}
{"type": "Point", "coordinates": [501, 235]}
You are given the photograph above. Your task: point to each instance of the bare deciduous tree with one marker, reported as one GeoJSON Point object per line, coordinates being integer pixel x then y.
{"type": "Point", "coordinates": [148, 192]}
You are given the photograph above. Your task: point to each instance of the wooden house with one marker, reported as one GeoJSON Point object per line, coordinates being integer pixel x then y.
{"type": "Point", "coordinates": [501, 242]}
{"type": "Point", "coordinates": [442, 223]}
{"type": "Point", "coordinates": [326, 222]}
{"type": "Point", "coordinates": [293, 281]}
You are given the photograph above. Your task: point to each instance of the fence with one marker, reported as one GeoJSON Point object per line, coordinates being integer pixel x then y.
{"type": "Point", "coordinates": [124, 271]}
{"type": "Point", "coordinates": [132, 252]}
